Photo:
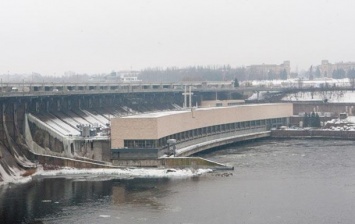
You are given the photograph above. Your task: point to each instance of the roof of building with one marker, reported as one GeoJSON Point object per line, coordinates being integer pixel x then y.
{"type": "Point", "coordinates": [167, 113]}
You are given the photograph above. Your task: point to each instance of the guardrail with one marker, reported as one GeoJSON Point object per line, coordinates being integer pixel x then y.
{"type": "Point", "coordinates": [47, 89]}
{"type": "Point", "coordinates": [36, 89]}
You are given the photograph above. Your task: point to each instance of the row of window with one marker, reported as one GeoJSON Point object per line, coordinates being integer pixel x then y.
{"type": "Point", "coordinates": [202, 132]}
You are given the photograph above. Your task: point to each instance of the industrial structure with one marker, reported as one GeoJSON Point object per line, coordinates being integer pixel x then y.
{"type": "Point", "coordinates": [148, 135]}
{"type": "Point", "coordinates": [102, 124]}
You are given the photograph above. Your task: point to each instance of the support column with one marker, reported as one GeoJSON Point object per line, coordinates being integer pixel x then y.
{"type": "Point", "coordinates": [190, 97]}
{"type": "Point", "coordinates": [185, 98]}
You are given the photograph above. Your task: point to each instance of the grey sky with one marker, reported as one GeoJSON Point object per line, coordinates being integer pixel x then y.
{"type": "Point", "coordinates": [52, 36]}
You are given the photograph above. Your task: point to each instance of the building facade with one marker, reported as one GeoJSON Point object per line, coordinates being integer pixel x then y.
{"type": "Point", "coordinates": [269, 71]}
{"type": "Point", "coordinates": [327, 69]}
{"type": "Point", "coordinates": [150, 132]}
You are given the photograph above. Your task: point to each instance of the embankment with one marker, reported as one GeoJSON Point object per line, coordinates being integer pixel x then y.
{"type": "Point", "coordinates": [313, 133]}
{"type": "Point", "coordinates": [174, 162]}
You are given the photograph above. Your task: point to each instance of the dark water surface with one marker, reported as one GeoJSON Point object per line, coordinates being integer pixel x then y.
{"type": "Point", "coordinates": [293, 181]}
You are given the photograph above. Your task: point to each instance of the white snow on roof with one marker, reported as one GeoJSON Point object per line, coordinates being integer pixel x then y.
{"type": "Point", "coordinates": [157, 114]}
{"type": "Point", "coordinates": [173, 112]}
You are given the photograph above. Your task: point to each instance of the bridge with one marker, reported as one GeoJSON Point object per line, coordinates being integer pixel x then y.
{"type": "Point", "coordinates": [53, 89]}
{"type": "Point", "coordinates": [35, 89]}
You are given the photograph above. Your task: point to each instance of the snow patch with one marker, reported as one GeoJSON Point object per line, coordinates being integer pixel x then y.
{"type": "Point", "coordinates": [14, 178]}
{"type": "Point", "coordinates": [103, 174]}
{"type": "Point", "coordinates": [46, 201]}
{"type": "Point", "coordinates": [122, 173]}
{"type": "Point", "coordinates": [104, 216]}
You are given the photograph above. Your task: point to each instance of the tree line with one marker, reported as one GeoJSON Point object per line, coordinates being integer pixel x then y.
{"type": "Point", "coordinates": [192, 73]}
{"type": "Point", "coordinates": [210, 73]}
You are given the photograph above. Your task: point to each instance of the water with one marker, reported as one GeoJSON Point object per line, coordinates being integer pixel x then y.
{"type": "Point", "coordinates": [294, 181]}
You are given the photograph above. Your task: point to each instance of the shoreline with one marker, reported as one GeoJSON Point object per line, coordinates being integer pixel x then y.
{"type": "Point", "coordinates": [164, 172]}
{"type": "Point", "coordinates": [313, 134]}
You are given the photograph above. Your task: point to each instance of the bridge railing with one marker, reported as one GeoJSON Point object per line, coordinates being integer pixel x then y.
{"type": "Point", "coordinates": [28, 89]}
{"type": "Point", "coordinates": [38, 89]}
{"type": "Point", "coordinates": [221, 135]}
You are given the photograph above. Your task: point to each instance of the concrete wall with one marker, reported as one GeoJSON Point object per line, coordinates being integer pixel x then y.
{"type": "Point", "coordinates": [137, 163]}
{"type": "Point", "coordinates": [179, 163]}
{"type": "Point", "coordinates": [92, 149]}
{"type": "Point", "coordinates": [136, 153]}
{"type": "Point", "coordinates": [313, 134]}
{"type": "Point", "coordinates": [52, 162]}
{"type": "Point", "coordinates": [191, 162]}
{"type": "Point", "coordinates": [45, 137]}
{"type": "Point", "coordinates": [155, 126]}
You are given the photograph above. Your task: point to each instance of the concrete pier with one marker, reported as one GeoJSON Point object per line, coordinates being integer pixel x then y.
{"type": "Point", "coordinates": [313, 133]}
{"type": "Point", "coordinates": [174, 162]}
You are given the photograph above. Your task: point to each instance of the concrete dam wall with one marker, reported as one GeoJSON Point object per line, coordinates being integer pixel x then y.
{"type": "Point", "coordinates": [43, 128]}
{"type": "Point", "coordinates": [38, 129]}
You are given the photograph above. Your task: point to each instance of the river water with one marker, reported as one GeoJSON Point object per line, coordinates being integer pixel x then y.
{"type": "Point", "coordinates": [287, 181]}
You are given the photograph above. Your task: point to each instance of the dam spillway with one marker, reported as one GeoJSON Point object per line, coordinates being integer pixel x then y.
{"type": "Point", "coordinates": [53, 125]}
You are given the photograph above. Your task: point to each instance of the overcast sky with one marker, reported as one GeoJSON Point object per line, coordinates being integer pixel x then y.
{"type": "Point", "coordinates": [87, 36]}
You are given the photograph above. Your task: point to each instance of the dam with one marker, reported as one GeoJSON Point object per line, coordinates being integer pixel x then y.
{"type": "Point", "coordinates": [86, 127]}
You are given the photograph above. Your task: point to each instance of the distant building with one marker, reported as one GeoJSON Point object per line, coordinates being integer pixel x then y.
{"type": "Point", "coordinates": [124, 76]}
{"type": "Point", "coordinates": [269, 71]}
{"type": "Point", "coordinates": [129, 76]}
{"type": "Point", "coordinates": [326, 69]}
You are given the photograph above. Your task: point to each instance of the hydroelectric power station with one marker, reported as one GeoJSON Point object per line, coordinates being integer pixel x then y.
{"type": "Point", "coordinates": [115, 125]}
